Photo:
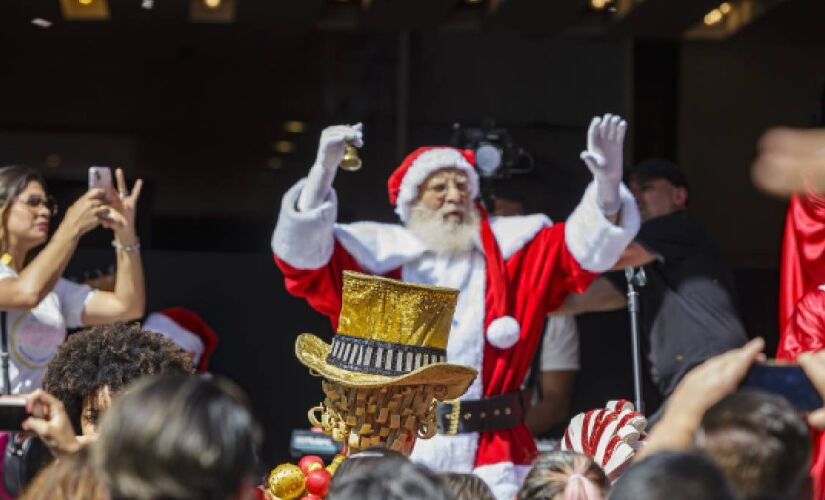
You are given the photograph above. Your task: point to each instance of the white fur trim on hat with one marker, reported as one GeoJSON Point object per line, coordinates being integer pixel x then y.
{"type": "Point", "coordinates": [427, 163]}
{"type": "Point", "coordinates": [164, 325]}
{"type": "Point", "coordinates": [503, 332]}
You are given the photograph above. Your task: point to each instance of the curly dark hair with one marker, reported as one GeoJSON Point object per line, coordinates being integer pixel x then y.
{"type": "Point", "coordinates": [111, 355]}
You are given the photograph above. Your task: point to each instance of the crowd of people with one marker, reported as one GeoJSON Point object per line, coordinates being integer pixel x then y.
{"type": "Point", "coordinates": [438, 321]}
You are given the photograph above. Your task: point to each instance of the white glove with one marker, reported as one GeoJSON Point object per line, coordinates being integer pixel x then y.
{"type": "Point", "coordinates": [604, 156]}
{"type": "Point", "coordinates": [330, 153]}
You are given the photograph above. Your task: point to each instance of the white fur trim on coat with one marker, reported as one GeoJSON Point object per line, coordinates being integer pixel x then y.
{"type": "Point", "coordinates": [427, 163]}
{"type": "Point", "coordinates": [379, 248]}
{"type": "Point", "coordinates": [594, 241]}
{"type": "Point", "coordinates": [513, 232]}
{"type": "Point", "coordinates": [503, 478]}
{"type": "Point", "coordinates": [304, 240]}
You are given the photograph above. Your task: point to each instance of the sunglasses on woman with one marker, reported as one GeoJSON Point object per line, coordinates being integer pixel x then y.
{"type": "Point", "coordinates": [34, 201]}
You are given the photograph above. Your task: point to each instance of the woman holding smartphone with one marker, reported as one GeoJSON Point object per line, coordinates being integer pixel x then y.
{"type": "Point", "coordinates": [37, 305]}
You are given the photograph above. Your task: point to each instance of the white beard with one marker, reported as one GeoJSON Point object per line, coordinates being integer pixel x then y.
{"type": "Point", "coordinates": [444, 236]}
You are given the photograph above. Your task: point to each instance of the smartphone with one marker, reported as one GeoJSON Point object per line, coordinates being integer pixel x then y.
{"type": "Point", "coordinates": [101, 178]}
{"type": "Point", "coordinates": [785, 379]}
{"type": "Point", "coordinates": [12, 413]}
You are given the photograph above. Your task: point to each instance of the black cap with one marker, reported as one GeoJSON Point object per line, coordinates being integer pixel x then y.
{"type": "Point", "coordinates": [657, 168]}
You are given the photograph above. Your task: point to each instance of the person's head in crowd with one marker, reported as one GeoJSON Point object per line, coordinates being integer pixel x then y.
{"type": "Point", "coordinates": [760, 443]}
{"type": "Point", "coordinates": [564, 475]}
{"type": "Point", "coordinates": [181, 437]}
{"type": "Point", "coordinates": [368, 458]}
{"type": "Point", "coordinates": [381, 475]}
{"type": "Point", "coordinates": [95, 364]}
{"type": "Point", "coordinates": [672, 475]}
{"type": "Point", "coordinates": [467, 486]}
{"type": "Point", "coordinates": [386, 397]}
{"type": "Point", "coordinates": [25, 209]}
{"type": "Point", "coordinates": [70, 478]}
{"type": "Point", "coordinates": [659, 186]}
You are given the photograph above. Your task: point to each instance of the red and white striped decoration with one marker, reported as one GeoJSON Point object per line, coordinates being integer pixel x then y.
{"type": "Point", "coordinates": [609, 435]}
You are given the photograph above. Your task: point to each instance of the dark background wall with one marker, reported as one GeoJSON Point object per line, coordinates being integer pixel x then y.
{"type": "Point", "coordinates": [195, 110]}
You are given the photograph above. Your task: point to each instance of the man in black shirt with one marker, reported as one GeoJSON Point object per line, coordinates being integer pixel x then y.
{"type": "Point", "coordinates": [688, 310]}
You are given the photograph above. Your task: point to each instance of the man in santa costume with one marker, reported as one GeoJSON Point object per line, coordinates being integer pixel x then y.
{"type": "Point", "coordinates": [511, 271]}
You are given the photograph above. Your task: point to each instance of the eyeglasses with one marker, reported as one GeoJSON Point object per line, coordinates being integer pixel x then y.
{"type": "Point", "coordinates": [35, 201]}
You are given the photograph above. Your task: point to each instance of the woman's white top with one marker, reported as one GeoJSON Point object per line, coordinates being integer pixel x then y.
{"type": "Point", "coordinates": [34, 336]}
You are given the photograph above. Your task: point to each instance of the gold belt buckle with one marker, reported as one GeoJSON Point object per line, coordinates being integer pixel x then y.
{"type": "Point", "coordinates": [453, 416]}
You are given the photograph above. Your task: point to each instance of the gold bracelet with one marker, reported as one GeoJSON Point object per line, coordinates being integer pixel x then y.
{"type": "Point", "coordinates": [133, 248]}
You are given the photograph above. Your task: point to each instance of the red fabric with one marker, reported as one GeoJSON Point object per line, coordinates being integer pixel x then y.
{"type": "Point", "coordinates": [801, 319]}
{"type": "Point", "coordinates": [192, 322]}
{"type": "Point", "coordinates": [496, 270]}
{"type": "Point", "coordinates": [322, 287]}
{"type": "Point", "coordinates": [546, 269]}
{"type": "Point", "coordinates": [803, 255]}
{"type": "Point", "coordinates": [806, 333]}
{"type": "Point", "coordinates": [394, 182]}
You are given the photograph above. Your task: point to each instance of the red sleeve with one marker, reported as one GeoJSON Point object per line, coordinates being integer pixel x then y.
{"type": "Point", "coordinates": [321, 287]}
{"type": "Point", "coordinates": [802, 266]}
{"type": "Point", "coordinates": [806, 327]}
{"type": "Point", "coordinates": [805, 332]}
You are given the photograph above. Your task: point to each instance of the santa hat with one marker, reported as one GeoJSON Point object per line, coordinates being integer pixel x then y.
{"type": "Point", "coordinates": [418, 165]}
{"type": "Point", "coordinates": [504, 331]}
{"type": "Point", "coordinates": [186, 329]}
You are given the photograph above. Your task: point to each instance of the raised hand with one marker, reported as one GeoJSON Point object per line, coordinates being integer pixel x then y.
{"type": "Point", "coordinates": [604, 158]}
{"type": "Point", "coordinates": [334, 141]}
{"type": "Point", "coordinates": [85, 214]}
{"type": "Point", "coordinates": [50, 422]}
{"type": "Point", "coordinates": [605, 147]}
{"type": "Point", "coordinates": [121, 217]}
{"type": "Point", "coordinates": [790, 161]}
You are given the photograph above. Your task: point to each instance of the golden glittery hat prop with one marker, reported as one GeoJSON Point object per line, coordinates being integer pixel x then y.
{"type": "Point", "coordinates": [389, 333]}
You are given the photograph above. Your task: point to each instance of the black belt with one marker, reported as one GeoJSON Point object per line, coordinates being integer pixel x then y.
{"type": "Point", "coordinates": [481, 415]}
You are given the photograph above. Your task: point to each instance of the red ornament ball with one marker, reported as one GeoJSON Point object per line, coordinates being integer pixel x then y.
{"type": "Point", "coordinates": [308, 460]}
{"type": "Point", "coordinates": [318, 481]}
{"type": "Point", "coordinates": [310, 496]}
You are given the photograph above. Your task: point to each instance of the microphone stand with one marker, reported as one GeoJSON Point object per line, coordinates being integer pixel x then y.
{"type": "Point", "coordinates": [635, 279]}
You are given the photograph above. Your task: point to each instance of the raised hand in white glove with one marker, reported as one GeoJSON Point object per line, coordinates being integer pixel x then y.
{"type": "Point", "coordinates": [330, 153]}
{"type": "Point", "coordinates": [604, 158]}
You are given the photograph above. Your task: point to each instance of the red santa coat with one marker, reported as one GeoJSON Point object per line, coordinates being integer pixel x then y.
{"type": "Point", "coordinates": [801, 311]}
{"type": "Point", "coordinates": [805, 332]}
{"type": "Point", "coordinates": [543, 262]}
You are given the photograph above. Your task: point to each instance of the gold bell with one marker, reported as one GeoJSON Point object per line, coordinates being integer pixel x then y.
{"type": "Point", "coordinates": [351, 161]}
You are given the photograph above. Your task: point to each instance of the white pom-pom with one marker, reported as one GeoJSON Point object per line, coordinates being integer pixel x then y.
{"type": "Point", "coordinates": [503, 332]}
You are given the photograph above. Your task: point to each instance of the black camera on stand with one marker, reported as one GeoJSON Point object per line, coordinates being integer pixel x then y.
{"type": "Point", "coordinates": [499, 161]}
{"type": "Point", "coordinates": [497, 155]}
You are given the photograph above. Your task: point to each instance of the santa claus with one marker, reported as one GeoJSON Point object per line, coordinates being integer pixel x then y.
{"type": "Point", "coordinates": [511, 271]}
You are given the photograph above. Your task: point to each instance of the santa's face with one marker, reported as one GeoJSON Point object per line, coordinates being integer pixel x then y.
{"type": "Point", "coordinates": [446, 191]}
{"type": "Point", "coordinates": [443, 217]}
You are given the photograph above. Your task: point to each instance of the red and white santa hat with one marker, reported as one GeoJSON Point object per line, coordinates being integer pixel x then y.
{"type": "Point", "coordinates": [417, 166]}
{"type": "Point", "coordinates": [187, 329]}
{"type": "Point", "coordinates": [503, 331]}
